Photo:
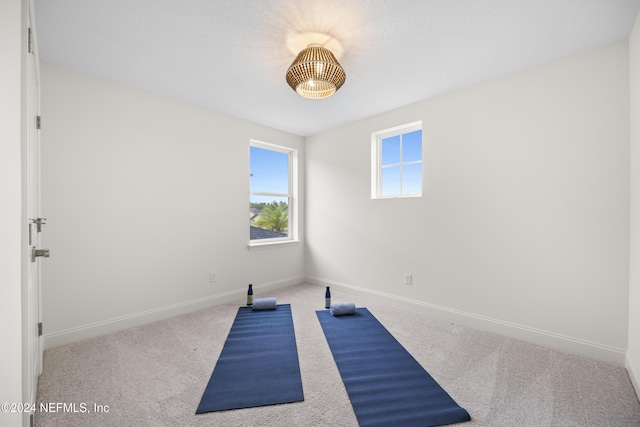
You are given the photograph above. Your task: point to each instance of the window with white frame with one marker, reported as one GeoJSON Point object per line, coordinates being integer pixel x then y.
{"type": "Point", "coordinates": [396, 162]}
{"type": "Point", "coordinates": [272, 202]}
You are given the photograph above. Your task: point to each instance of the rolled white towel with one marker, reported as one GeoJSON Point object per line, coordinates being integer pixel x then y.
{"type": "Point", "coordinates": [264, 304]}
{"type": "Point", "coordinates": [342, 309]}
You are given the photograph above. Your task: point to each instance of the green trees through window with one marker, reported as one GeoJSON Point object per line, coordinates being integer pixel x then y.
{"type": "Point", "coordinates": [274, 216]}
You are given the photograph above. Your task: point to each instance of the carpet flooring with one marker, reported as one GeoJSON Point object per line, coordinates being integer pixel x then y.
{"type": "Point", "coordinates": [154, 375]}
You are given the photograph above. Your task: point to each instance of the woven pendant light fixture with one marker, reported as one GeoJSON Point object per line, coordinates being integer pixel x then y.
{"type": "Point", "coordinates": [315, 73]}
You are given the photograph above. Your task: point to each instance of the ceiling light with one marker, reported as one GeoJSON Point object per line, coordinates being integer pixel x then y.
{"type": "Point", "coordinates": [315, 73]}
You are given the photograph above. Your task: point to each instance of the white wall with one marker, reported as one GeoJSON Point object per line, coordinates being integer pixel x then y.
{"type": "Point", "coordinates": [144, 197]}
{"type": "Point", "coordinates": [523, 226]}
{"type": "Point", "coordinates": [633, 355]}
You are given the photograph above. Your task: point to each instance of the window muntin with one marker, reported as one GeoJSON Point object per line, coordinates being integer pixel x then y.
{"type": "Point", "coordinates": [272, 199]}
{"type": "Point", "coordinates": [396, 162]}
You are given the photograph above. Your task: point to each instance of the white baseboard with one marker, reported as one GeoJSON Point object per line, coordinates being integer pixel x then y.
{"type": "Point", "coordinates": [91, 330]}
{"type": "Point", "coordinates": [634, 374]}
{"type": "Point", "coordinates": [537, 336]}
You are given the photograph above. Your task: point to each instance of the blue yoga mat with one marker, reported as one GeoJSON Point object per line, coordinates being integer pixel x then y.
{"type": "Point", "coordinates": [386, 385]}
{"type": "Point", "coordinates": [258, 364]}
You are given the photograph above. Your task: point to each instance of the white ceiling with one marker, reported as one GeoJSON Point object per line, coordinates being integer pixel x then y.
{"type": "Point", "coordinates": [231, 56]}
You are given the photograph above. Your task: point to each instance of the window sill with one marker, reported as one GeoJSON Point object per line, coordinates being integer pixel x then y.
{"type": "Point", "coordinates": [271, 245]}
{"type": "Point", "coordinates": [408, 196]}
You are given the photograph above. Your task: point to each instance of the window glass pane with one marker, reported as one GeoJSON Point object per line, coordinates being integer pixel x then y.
{"type": "Point", "coordinates": [269, 171]}
{"type": "Point", "coordinates": [390, 181]}
{"type": "Point", "coordinates": [269, 217]}
{"type": "Point", "coordinates": [390, 150]}
{"type": "Point", "coordinates": [412, 146]}
{"type": "Point", "coordinates": [412, 179]}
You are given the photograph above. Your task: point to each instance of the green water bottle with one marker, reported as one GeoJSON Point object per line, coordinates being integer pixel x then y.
{"type": "Point", "coordinates": [250, 295]}
{"type": "Point", "coordinates": [327, 298]}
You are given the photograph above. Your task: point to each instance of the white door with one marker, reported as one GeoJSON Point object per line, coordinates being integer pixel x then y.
{"type": "Point", "coordinates": [35, 253]}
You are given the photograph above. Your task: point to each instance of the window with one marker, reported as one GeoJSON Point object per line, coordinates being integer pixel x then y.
{"type": "Point", "coordinates": [396, 162]}
{"type": "Point", "coordinates": [272, 202]}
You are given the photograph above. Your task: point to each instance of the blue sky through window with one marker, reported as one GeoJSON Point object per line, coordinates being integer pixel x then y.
{"type": "Point", "coordinates": [269, 173]}
{"type": "Point", "coordinates": [401, 161]}
{"type": "Point", "coordinates": [412, 179]}
{"type": "Point", "coordinates": [412, 146]}
{"type": "Point", "coordinates": [391, 150]}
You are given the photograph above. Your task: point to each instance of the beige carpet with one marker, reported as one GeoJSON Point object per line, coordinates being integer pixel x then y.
{"type": "Point", "coordinates": [154, 375]}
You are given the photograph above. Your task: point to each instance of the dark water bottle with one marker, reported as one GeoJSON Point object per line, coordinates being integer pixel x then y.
{"type": "Point", "coordinates": [250, 295]}
{"type": "Point", "coordinates": [327, 298]}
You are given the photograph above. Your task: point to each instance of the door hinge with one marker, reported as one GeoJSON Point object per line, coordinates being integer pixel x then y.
{"type": "Point", "coordinates": [30, 41]}
{"type": "Point", "coordinates": [40, 329]}
{"type": "Point", "coordinates": [39, 222]}
{"type": "Point", "coordinates": [38, 122]}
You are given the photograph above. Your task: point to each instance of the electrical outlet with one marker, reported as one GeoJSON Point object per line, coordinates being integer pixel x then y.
{"type": "Point", "coordinates": [212, 276]}
{"type": "Point", "coordinates": [408, 279]}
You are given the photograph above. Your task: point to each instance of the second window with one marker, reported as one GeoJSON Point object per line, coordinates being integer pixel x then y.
{"type": "Point", "coordinates": [397, 162]}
